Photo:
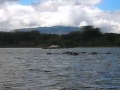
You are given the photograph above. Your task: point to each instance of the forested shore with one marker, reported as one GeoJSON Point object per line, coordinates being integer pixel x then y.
{"type": "Point", "coordinates": [88, 36]}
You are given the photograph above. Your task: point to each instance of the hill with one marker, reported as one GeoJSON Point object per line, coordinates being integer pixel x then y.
{"type": "Point", "coordinates": [50, 30]}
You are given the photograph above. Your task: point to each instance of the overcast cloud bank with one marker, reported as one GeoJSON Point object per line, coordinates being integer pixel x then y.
{"type": "Point", "coordinates": [77, 13]}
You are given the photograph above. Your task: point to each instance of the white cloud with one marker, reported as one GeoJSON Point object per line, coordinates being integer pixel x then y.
{"type": "Point", "coordinates": [5, 2]}
{"type": "Point", "coordinates": [57, 12]}
{"type": "Point", "coordinates": [2, 1]}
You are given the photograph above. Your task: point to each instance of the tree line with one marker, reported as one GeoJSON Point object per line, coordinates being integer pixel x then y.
{"type": "Point", "coordinates": [88, 36]}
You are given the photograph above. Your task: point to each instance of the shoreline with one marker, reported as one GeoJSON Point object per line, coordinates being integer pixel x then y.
{"type": "Point", "coordinates": [69, 47]}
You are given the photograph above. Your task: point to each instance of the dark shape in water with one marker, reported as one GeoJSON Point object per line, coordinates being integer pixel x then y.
{"type": "Point", "coordinates": [47, 71]}
{"type": "Point", "coordinates": [108, 53]}
{"type": "Point", "coordinates": [71, 53]}
{"type": "Point", "coordinates": [94, 53]}
{"type": "Point", "coordinates": [49, 53]}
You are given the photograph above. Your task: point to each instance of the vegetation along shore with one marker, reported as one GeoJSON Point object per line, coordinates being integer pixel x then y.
{"type": "Point", "coordinates": [88, 36]}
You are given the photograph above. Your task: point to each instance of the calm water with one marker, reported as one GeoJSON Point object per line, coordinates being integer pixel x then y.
{"type": "Point", "coordinates": [34, 69]}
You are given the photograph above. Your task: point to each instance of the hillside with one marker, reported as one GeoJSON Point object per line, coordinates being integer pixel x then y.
{"type": "Point", "coordinates": [50, 30]}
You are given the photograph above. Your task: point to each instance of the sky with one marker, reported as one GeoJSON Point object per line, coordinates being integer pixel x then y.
{"type": "Point", "coordinates": [27, 2]}
{"type": "Point", "coordinates": [15, 14]}
{"type": "Point", "coordinates": [110, 5]}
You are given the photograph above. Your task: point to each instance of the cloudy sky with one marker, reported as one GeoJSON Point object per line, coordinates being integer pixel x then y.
{"type": "Point", "coordinates": [16, 14]}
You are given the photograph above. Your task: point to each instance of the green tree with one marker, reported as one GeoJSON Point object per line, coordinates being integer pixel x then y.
{"type": "Point", "coordinates": [90, 33]}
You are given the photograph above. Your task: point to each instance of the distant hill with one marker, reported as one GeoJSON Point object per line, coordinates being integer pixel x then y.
{"type": "Point", "coordinates": [50, 30]}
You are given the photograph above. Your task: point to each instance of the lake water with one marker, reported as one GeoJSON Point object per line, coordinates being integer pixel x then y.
{"type": "Point", "coordinates": [35, 69]}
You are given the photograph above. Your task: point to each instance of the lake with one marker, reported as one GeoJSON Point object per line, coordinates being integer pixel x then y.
{"type": "Point", "coordinates": [50, 69]}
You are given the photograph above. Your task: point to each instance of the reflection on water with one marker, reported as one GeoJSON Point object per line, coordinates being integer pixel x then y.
{"type": "Point", "coordinates": [34, 69]}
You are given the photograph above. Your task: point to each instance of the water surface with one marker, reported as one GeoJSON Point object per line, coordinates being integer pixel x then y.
{"type": "Point", "coordinates": [34, 69]}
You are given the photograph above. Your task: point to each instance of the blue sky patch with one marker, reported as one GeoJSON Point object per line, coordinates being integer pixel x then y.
{"type": "Point", "coordinates": [28, 2]}
{"type": "Point", "coordinates": [110, 5]}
